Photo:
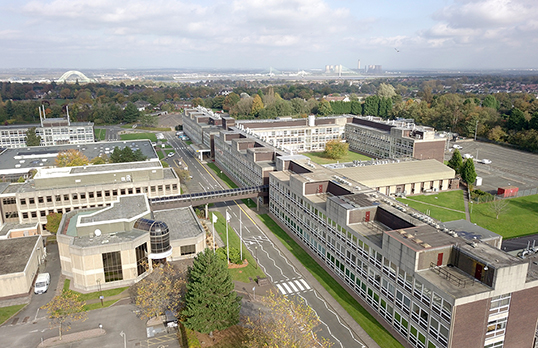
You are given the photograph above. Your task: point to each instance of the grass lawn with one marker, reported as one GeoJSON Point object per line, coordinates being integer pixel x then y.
{"type": "Point", "coordinates": [450, 200]}
{"type": "Point", "coordinates": [7, 312]}
{"type": "Point", "coordinates": [241, 274]}
{"type": "Point", "coordinates": [222, 176]}
{"type": "Point", "coordinates": [95, 295]}
{"type": "Point", "coordinates": [188, 142]}
{"type": "Point", "coordinates": [165, 164]}
{"type": "Point", "coordinates": [361, 316]}
{"type": "Point", "coordinates": [100, 133]}
{"type": "Point", "coordinates": [318, 157]}
{"type": "Point", "coordinates": [168, 151]}
{"type": "Point", "coordinates": [160, 154]}
{"type": "Point", "coordinates": [519, 219]}
{"type": "Point", "coordinates": [97, 305]}
{"type": "Point", "coordinates": [134, 136]}
{"type": "Point", "coordinates": [157, 129]}
{"type": "Point", "coordinates": [249, 203]}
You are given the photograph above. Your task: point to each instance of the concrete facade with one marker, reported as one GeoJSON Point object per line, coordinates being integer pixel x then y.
{"type": "Point", "coordinates": [437, 285]}
{"type": "Point", "coordinates": [52, 132]}
{"type": "Point", "coordinates": [87, 238]}
{"type": "Point", "coordinates": [380, 138]}
{"type": "Point", "coordinates": [19, 264]}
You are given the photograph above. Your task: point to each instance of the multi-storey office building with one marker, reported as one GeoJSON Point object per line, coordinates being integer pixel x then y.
{"type": "Point", "coordinates": [297, 135]}
{"type": "Point", "coordinates": [393, 139]}
{"type": "Point", "coordinates": [437, 286]}
{"type": "Point", "coordinates": [53, 131]}
{"type": "Point", "coordinates": [65, 189]}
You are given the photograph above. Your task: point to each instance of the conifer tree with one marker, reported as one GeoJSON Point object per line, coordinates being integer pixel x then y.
{"type": "Point", "coordinates": [468, 173]}
{"type": "Point", "coordinates": [456, 162]}
{"type": "Point", "coordinates": [210, 302]}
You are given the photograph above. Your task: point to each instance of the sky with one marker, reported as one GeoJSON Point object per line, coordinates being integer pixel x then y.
{"type": "Point", "coordinates": [283, 34]}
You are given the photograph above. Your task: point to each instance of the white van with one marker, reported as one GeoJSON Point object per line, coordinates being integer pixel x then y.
{"type": "Point", "coordinates": [42, 283]}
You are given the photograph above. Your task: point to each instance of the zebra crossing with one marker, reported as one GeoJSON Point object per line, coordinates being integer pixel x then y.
{"type": "Point", "coordinates": [293, 286]}
{"type": "Point", "coordinates": [255, 240]}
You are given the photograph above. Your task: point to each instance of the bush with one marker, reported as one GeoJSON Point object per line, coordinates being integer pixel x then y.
{"type": "Point", "coordinates": [189, 338]}
{"type": "Point", "coordinates": [481, 196]}
{"type": "Point", "coordinates": [235, 257]}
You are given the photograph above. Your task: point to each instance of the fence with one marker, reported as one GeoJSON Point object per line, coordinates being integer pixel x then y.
{"type": "Point", "coordinates": [489, 197]}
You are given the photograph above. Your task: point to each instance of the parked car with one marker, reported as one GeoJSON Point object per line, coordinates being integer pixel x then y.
{"type": "Point", "coordinates": [456, 146]}
{"type": "Point", "coordinates": [467, 156]}
{"type": "Point", "coordinates": [485, 161]}
{"type": "Point", "coordinates": [171, 154]}
{"type": "Point", "coordinates": [42, 283]}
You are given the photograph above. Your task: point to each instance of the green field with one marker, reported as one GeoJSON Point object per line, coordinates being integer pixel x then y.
{"type": "Point", "coordinates": [100, 133]}
{"type": "Point", "coordinates": [444, 206]}
{"type": "Point", "coordinates": [8, 312]}
{"type": "Point", "coordinates": [134, 136]}
{"type": "Point", "coordinates": [95, 295]}
{"type": "Point", "coordinates": [519, 219]}
{"type": "Point", "coordinates": [372, 327]}
{"type": "Point", "coordinates": [222, 176]}
{"type": "Point", "coordinates": [240, 274]}
{"type": "Point", "coordinates": [318, 157]}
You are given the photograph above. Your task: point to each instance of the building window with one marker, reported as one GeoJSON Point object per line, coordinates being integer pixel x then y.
{"type": "Point", "coordinates": [40, 199]}
{"type": "Point", "coordinates": [66, 197]}
{"type": "Point", "coordinates": [91, 194]}
{"type": "Point", "coordinates": [23, 201]}
{"type": "Point", "coordinates": [42, 213]}
{"type": "Point", "coordinates": [49, 199]}
{"type": "Point", "coordinates": [10, 200]}
{"type": "Point", "coordinates": [82, 196]}
{"type": "Point", "coordinates": [25, 215]}
{"type": "Point", "coordinates": [31, 200]}
{"type": "Point", "coordinates": [114, 192]}
{"type": "Point", "coordinates": [141, 258]}
{"type": "Point", "coordinates": [188, 249]}
{"type": "Point", "coordinates": [34, 214]}
{"type": "Point", "coordinates": [112, 266]}
{"type": "Point", "coordinates": [75, 196]}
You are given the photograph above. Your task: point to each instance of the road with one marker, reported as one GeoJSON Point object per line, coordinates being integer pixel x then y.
{"type": "Point", "coordinates": [279, 269]}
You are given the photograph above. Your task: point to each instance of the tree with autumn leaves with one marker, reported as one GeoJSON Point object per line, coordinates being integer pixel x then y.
{"type": "Point", "coordinates": [64, 309]}
{"type": "Point", "coordinates": [71, 158]}
{"type": "Point", "coordinates": [283, 322]}
{"type": "Point", "coordinates": [160, 291]}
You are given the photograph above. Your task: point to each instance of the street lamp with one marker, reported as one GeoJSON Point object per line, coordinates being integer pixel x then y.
{"type": "Point", "coordinates": [122, 334]}
{"type": "Point", "coordinates": [256, 248]}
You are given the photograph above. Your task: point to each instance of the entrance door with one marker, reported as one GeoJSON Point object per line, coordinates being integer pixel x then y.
{"type": "Point", "coordinates": [478, 272]}
{"type": "Point", "coordinates": [439, 259]}
{"type": "Point", "coordinates": [367, 216]}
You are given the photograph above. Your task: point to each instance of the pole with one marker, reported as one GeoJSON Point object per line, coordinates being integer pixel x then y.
{"type": "Point", "coordinates": [256, 248]}
{"type": "Point", "coordinates": [214, 240]}
{"type": "Point", "coordinates": [240, 236]}
{"type": "Point", "coordinates": [227, 244]}
{"type": "Point", "coordinates": [475, 130]}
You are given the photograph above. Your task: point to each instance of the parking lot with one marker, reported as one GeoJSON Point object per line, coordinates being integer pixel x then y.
{"type": "Point", "coordinates": [508, 166]}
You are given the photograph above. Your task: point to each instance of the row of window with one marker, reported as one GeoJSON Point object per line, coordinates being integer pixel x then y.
{"type": "Point", "coordinates": [91, 195]}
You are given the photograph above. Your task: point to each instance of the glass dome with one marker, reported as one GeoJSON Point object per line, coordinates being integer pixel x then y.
{"type": "Point", "coordinates": [158, 232]}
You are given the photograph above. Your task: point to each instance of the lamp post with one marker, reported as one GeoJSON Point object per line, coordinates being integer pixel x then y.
{"type": "Point", "coordinates": [101, 297]}
{"type": "Point", "coordinates": [122, 334]}
{"type": "Point", "coordinates": [256, 248]}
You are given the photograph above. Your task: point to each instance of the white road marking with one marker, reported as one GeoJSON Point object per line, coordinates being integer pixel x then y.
{"type": "Point", "coordinates": [305, 283]}
{"type": "Point", "coordinates": [287, 287]}
{"type": "Point", "coordinates": [299, 285]}
{"type": "Point", "coordinates": [293, 286]}
{"type": "Point", "coordinates": [281, 289]}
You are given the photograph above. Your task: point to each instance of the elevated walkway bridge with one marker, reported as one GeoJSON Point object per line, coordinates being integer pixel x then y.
{"type": "Point", "coordinates": [202, 198]}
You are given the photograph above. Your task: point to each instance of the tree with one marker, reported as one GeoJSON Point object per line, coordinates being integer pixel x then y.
{"type": "Point", "coordinates": [257, 105]}
{"type": "Point", "coordinates": [230, 101]}
{"type": "Point", "coordinates": [456, 162]}
{"type": "Point", "coordinates": [371, 106]}
{"type": "Point", "coordinates": [210, 302]}
{"type": "Point", "coordinates": [71, 158]}
{"type": "Point", "coordinates": [182, 174]}
{"type": "Point", "coordinates": [160, 291]}
{"type": "Point", "coordinates": [284, 322]}
{"type": "Point", "coordinates": [491, 102]}
{"type": "Point", "coordinates": [64, 309]}
{"type": "Point", "coordinates": [499, 206]}
{"type": "Point", "coordinates": [53, 222]}
{"type": "Point", "coordinates": [335, 149]}
{"type": "Point", "coordinates": [32, 139]}
{"type": "Point", "coordinates": [516, 120]}
{"type": "Point", "coordinates": [126, 155]}
{"type": "Point", "coordinates": [385, 90]}
{"type": "Point", "coordinates": [468, 173]}
{"type": "Point", "coordinates": [103, 159]}
{"type": "Point", "coordinates": [131, 113]}
{"type": "Point", "coordinates": [324, 108]}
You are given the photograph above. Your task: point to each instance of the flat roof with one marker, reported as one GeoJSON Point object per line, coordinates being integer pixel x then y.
{"type": "Point", "coordinates": [182, 222]}
{"type": "Point", "coordinates": [16, 227]}
{"type": "Point", "coordinates": [15, 253]}
{"type": "Point", "coordinates": [21, 160]}
{"type": "Point", "coordinates": [397, 173]}
{"type": "Point", "coordinates": [127, 207]}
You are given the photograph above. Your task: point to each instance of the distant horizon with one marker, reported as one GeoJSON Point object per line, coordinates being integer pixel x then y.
{"type": "Point", "coordinates": [410, 35]}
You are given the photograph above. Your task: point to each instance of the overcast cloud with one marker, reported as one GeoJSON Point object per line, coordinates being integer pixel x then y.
{"type": "Point", "coordinates": [285, 34]}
